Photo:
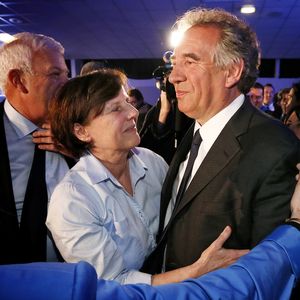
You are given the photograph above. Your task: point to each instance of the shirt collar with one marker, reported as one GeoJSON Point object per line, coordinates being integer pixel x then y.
{"type": "Point", "coordinates": [212, 128]}
{"type": "Point", "coordinates": [20, 124]}
{"type": "Point", "coordinates": [97, 172]}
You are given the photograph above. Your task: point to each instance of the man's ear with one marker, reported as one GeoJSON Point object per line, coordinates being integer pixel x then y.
{"type": "Point", "coordinates": [15, 77]}
{"type": "Point", "coordinates": [234, 73]}
{"type": "Point", "coordinates": [81, 133]}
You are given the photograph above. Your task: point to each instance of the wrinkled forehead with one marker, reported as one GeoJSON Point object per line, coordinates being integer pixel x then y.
{"type": "Point", "coordinates": [48, 59]}
{"type": "Point", "coordinates": [197, 39]}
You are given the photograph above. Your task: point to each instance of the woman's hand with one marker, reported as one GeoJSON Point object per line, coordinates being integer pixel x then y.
{"type": "Point", "coordinates": [215, 256]}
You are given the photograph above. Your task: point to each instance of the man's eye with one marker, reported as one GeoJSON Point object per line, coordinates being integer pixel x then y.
{"type": "Point", "coordinates": [189, 62]}
{"type": "Point", "coordinates": [58, 74]}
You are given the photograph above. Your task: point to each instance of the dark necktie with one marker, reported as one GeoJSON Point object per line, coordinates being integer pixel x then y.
{"type": "Point", "coordinates": [33, 229]}
{"type": "Point", "coordinates": [187, 173]}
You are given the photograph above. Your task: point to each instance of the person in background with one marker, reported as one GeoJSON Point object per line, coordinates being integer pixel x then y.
{"type": "Point", "coordinates": [136, 99]}
{"type": "Point", "coordinates": [292, 118]}
{"type": "Point", "coordinates": [268, 101]}
{"type": "Point", "coordinates": [106, 209]}
{"type": "Point", "coordinates": [32, 69]}
{"type": "Point", "coordinates": [236, 165]}
{"type": "Point", "coordinates": [284, 101]}
{"type": "Point", "coordinates": [92, 66]}
{"type": "Point", "coordinates": [256, 94]}
{"type": "Point", "coordinates": [164, 125]}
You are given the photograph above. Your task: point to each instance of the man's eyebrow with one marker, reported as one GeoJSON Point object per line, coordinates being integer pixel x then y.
{"type": "Point", "coordinates": [191, 55]}
{"type": "Point", "coordinates": [187, 55]}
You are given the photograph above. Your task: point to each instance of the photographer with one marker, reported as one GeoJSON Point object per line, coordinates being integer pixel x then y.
{"type": "Point", "coordinates": [164, 125]}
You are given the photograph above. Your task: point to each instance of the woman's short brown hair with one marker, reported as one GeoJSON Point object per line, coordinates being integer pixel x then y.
{"type": "Point", "coordinates": [80, 100]}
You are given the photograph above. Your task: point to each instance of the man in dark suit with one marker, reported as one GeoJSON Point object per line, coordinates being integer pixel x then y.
{"type": "Point", "coordinates": [243, 174]}
{"type": "Point", "coordinates": [32, 68]}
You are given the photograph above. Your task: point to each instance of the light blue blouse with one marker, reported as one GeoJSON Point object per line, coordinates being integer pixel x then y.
{"type": "Point", "coordinates": [93, 218]}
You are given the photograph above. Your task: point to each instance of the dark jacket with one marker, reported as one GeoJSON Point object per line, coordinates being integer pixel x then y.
{"type": "Point", "coordinates": [245, 181]}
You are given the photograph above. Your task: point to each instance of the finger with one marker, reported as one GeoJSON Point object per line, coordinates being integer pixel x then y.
{"type": "Point", "coordinates": [48, 147]}
{"type": "Point", "coordinates": [46, 126]}
{"type": "Point", "coordinates": [42, 140]}
{"type": "Point", "coordinates": [222, 238]}
{"type": "Point", "coordinates": [43, 132]}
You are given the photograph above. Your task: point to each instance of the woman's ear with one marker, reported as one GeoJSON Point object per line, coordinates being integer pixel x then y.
{"type": "Point", "coordinates": [81, 133]}
{"type": "Point", "coordinates": [16, 78]}
{"type": "Point", "coordinates": [234, 73]}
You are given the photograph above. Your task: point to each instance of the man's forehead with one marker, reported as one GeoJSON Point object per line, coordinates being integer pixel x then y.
{"type": "Point", "coordinates": [47, 59]}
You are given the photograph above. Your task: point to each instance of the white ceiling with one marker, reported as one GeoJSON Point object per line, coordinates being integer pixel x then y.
{"type": "Point", "coordinates": [114, 29]}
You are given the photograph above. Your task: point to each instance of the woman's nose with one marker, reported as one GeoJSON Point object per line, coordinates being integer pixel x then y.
{"type": "Point", "coordinates": [132, 111]}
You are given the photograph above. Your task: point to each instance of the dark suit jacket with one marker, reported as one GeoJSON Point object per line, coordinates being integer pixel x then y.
{"type": "Point", "coordinates": [9, 229]}
{"type": "Point", "coordinates": [246, 181]}
{"type": "Point", "coordinates": [10, 247]}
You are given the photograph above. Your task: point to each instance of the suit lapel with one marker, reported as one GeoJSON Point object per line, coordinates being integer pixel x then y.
{"type": "Point", "coordinates": [222, 152]}
{"type": "Point", "coordinates": [225, 148]}
{"type": "Point", "coordinates": [7, 203]}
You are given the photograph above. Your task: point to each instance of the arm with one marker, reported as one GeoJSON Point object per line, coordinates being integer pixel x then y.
{"type": "Point", "coordinates": [82, 231]}
{"type": "Point", "coordinates": [214, 257]}
{"type": "Point", "coordinates": [165, 108]}
{"type": "Point", "coordinates": [159, 120]}
{"type": "Point", "coordinates": [77, 218]}
{"type": "Point", "coordinates": [254, 276]}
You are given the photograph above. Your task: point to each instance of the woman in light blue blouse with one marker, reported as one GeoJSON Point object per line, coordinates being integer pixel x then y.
{"type": "Point", "coordinates": [106, 209]}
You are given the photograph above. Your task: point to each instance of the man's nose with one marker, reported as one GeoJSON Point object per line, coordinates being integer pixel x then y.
{"type": "Point", "coordinates": [176, 75]}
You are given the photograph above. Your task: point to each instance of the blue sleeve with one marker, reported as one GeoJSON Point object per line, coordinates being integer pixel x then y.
{"type": "Point", "coordinates": [269, 271]}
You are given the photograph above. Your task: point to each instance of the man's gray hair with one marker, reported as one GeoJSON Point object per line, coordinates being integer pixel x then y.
{"type": "Point", "coordinates": [18, 53]}
{"type": "Point", "coordinates": [237, 41]}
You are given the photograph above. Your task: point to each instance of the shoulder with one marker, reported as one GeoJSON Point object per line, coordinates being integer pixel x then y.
{"type": "Point", "coordinates": [259, 126]}
{"type": "Point", "coordinates": [147, 154]}
{"type": "Point", "coordinates": [151, 160]}
{"type": "Point", "coordinates": [272, 129]}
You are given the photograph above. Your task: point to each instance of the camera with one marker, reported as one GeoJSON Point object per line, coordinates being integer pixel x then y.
{"type": "Point", "coordinates": [161, 73]}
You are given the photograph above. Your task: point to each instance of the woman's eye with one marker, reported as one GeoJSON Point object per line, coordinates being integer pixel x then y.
{"type": "Point", "coordinates": [116, 108]}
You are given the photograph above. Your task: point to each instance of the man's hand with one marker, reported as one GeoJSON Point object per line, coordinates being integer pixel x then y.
{"type": "Point", "coordinates": [46, 141]}
{"type": "Point", "coordinates": [165, 107]}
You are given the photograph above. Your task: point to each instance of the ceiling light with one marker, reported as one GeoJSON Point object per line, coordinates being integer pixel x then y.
{"type": "Point", "coordinates": [248, 9]}
{"type": "Point", "coordinates": [6, 38]}
{"type": "Point", "coordinates": [15, 20]}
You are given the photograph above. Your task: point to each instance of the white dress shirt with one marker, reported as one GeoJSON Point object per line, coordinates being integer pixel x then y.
{"type": "Point", "coordinates": [93, 218]}
{"type": "Point", "coordinates": [18, 131]}
{"type": "Point", "coordinates": [209, 133]}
